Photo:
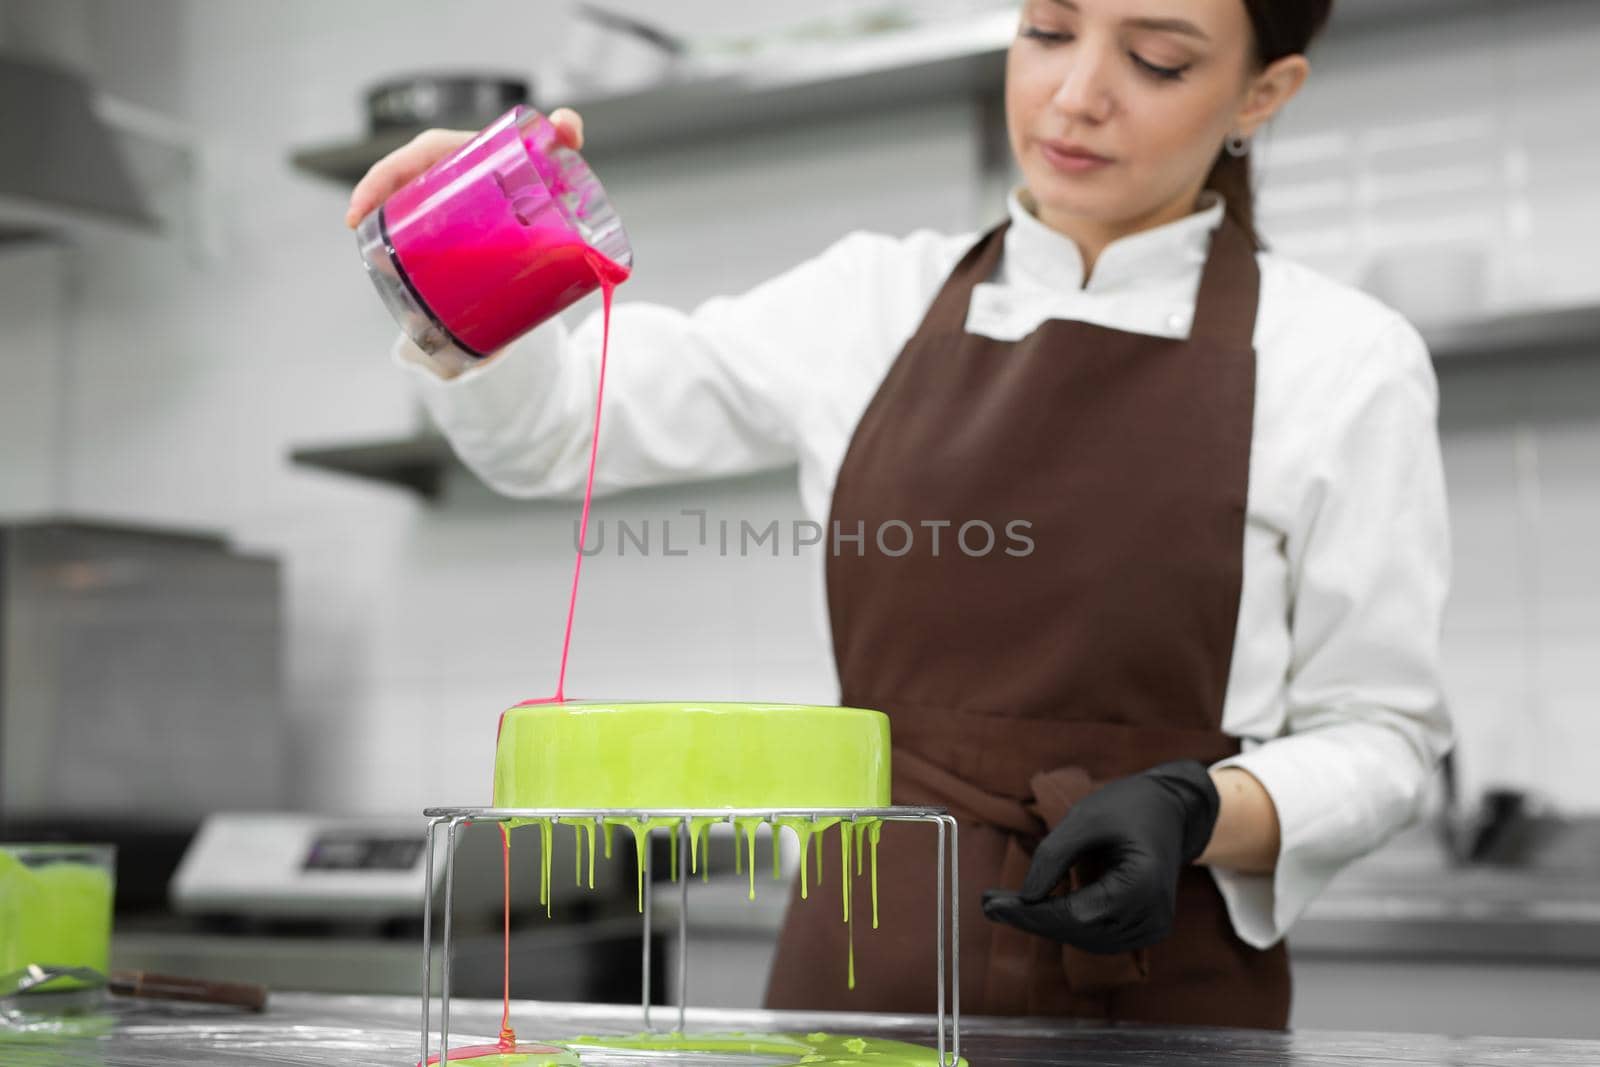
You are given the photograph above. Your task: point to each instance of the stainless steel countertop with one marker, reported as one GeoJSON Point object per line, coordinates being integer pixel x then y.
{"type": "Point", "coordinates": [306, 1030]}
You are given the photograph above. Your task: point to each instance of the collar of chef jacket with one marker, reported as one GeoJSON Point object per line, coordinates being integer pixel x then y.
{"type": "Point", "coordinates": [1143, 283]}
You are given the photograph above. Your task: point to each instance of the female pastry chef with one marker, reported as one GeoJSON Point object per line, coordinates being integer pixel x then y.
{"type": "Point", "coordinates": [1201, 675]}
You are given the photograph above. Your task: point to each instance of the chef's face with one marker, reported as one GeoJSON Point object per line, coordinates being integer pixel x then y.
{"type": "Point", "coordinates": [1117, 108]}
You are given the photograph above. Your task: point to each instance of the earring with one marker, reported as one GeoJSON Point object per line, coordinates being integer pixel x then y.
{"type": "Point", "coordinates": [1237, 146]}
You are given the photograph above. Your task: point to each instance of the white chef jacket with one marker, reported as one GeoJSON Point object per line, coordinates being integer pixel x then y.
{"type": "Point", "coordinates": [1334, 686]}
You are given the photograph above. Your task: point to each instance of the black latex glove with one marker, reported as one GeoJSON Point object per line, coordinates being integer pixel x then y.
{"type": "Point", "coordinates": [1145, 830]}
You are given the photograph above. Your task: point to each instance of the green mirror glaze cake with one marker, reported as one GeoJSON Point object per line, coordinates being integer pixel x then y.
{"type": "Point", "coordinates": [691, 755]}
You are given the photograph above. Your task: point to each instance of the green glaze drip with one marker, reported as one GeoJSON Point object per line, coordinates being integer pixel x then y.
{"type": "Point", "coordinates": [850, 955]}
{"type": "Point", "coordinates": [822, 828]}
{"type": "Point", "coordinates": [873, 832]}
{"type": "Point", "coordinates": [547, 848]}
{"type": "Point", "coordinates": [544, 890]}
{"type": "Point", "coordinates": [844, 865]}
{"type": "Point", "coordinates": [844, 892]}
{"type": "Point", "coordinates": [748, 828]}
{"type": "Point", "coordinates": [577, 854]}
{"type": "Point", "coordinates": [641, 839]}
{"type": "Point", "coordinates": [640, 828]}
{"type": "Point", "coordinates": [822, 831]}
{"type": "Point", "coordinates": [674, 860]}
{"type": "Point", "coordinates": [700, 844]}
{"type": "Point", "coordinates": [830, 1050]}
{"type": "Point", "coordinates": [802, 835]}
{"type": "Point", "coordinates": [805, 831]}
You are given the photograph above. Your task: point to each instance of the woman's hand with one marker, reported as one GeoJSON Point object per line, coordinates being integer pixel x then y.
{"type": "Point", "coordinates": [423, 151]}
{"type": "Point", "coordinates": [1147, 828]}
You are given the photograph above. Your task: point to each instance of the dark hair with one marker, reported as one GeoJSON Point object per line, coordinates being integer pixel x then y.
{"type": "Point", "coordinates": [1282, 28]}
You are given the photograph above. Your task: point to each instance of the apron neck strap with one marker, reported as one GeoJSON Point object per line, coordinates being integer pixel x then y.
{"type": "Point", "coordinates": [1230, 288]}
{"type": "Point", "coordinates": [948, 313]}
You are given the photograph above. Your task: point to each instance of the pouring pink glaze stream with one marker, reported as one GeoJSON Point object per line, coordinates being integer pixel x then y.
{"type": "Point", "coordinates": [609, 275]}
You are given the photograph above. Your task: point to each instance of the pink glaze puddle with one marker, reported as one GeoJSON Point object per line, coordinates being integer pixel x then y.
{"type": "Point", "coordinates": [502, 1048]}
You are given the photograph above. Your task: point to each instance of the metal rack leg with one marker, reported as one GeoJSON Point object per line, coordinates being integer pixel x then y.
{"type": "Point", "coordinates": [683, 921]}
{"type": "Point", "coordinates": [939, 902]}
{"type": "Point", "coordinates": [644, 875]}
{"type": "Point", "coordinates": [444, 962]}
{"type": "Point", "coordinates": [955, 939]}
{"type": "Point", "coordinates": [427, 937]}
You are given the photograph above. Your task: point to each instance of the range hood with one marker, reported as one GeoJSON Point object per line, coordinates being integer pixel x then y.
{"type": "Point", "coordinates": [61, 169]}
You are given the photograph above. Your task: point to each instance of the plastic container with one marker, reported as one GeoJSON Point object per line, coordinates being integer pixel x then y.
{"type": "Point", "coordinates": [55, 907]}
{"type": "Point", "coordinates": [493, 240]}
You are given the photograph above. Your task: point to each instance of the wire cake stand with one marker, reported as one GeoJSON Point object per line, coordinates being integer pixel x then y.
{"type": "Point", "coordinates": [677, 821]}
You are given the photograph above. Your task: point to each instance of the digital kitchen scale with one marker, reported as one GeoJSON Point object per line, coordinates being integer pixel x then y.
{"type": "Point", "coordinates": [315, 867]}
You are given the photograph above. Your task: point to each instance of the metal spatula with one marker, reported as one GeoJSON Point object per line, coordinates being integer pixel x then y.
{"type": "Point", "coordinates": [138, 984]}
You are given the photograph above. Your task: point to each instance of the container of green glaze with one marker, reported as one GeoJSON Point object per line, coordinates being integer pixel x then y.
{"type": "Point", "coordinates": [55, 908]}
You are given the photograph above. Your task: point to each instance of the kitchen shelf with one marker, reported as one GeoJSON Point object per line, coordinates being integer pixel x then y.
{"type": "Point", "coordinates": [946, 60]}
{"type": "Point", "coordinates": [420, 463]}
{"type": "Point", "coordinates": [415, 463]}
{"type": "Point", "coordinates": [938, 62]}
{"type": "Point", "coordinates": [62, 175]}
{"type": "Point", "coordinates": [25, 222]}
{"type": "Point", "coordinates": [1574, 327]}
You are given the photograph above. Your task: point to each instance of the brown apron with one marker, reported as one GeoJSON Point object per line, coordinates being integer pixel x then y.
{"type": "Point", "coordinates": [1016, 681]}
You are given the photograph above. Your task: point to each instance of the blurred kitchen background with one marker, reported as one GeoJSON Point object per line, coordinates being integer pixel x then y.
{"type": "Point", "coordinates": [239, 573]}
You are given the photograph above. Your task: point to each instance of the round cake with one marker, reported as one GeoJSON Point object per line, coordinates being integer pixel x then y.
{"type": "Point", "coordinates": [691, 755]}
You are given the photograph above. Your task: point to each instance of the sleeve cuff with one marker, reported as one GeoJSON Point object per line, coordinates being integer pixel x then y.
{"type": "Point", "coordinates": [1263, 907]}
{"type": "Point", "coordinates": [443, 366]}
{"type": "Point", "coordinates": [474, 401]}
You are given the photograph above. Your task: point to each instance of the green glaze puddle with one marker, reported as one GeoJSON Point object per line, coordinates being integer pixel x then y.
{"type": "Point", "coordinates": [830, 1050]}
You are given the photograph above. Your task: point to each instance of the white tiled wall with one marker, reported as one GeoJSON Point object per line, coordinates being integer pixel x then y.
{"type": "Point", "coordinates": [197, 360]}
{"type": "Point", "coordinates": [32, 278]}
{"type": "Point", "coordinates": [1451, 167]}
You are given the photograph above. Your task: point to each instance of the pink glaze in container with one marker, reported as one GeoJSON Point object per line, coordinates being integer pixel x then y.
{"type": "Point", "coordinates": [493, 240]}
